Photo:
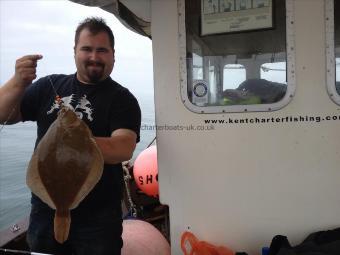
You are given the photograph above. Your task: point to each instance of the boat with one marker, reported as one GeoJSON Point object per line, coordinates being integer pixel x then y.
{"type": "Point", "coordinates": [247, 105]}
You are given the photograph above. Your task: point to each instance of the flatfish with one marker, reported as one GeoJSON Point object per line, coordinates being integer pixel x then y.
{"type": "Point", "coordinates": [64, 168]}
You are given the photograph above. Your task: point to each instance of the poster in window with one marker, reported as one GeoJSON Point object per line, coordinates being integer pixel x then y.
{"type": "Point", "coordinates": [225, 16]}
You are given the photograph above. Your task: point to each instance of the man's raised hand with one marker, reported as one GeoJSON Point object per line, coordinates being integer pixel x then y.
{"type": "Point", "coordinates": [25, 69]}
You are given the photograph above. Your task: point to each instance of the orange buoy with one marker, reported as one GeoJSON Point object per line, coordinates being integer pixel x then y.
{"type": "Point", "coordinates": [142, 238]}
{"type": "Point", "coordinates": [191, 245]}
{"type": "Point", "coordinates": [145, 171]}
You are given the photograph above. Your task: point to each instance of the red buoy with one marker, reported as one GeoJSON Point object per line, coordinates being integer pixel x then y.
{"type": "Point", "coordinates": [145, 171]}
{"type": "Point", "coordinates": [142, 238]}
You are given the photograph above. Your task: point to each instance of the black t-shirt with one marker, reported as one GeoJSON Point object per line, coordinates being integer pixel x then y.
{"type": "Point", "coordinates": [104, 107]}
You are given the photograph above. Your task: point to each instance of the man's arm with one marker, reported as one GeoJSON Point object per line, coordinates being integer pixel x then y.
{"type": "Point", "coordinates": [119, 147]}
{"type": "Point", "coordinates": [12, 92]}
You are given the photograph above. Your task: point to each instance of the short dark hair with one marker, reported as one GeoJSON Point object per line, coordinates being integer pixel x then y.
{"type": "Point", "coordinates": [94, 25]}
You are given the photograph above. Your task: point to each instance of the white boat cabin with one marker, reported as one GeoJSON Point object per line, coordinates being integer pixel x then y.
{"type": "Point", "coordinates": [247, 99]}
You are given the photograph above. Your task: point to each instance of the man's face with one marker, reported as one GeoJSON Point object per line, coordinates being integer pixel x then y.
{"type": "Point", "coordinates": [94, 57]}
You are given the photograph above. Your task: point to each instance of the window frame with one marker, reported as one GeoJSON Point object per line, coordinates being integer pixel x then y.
{"type": "Point", "coordinates": [291, 79]}
{"type": "Point", "coordinates": [330, 52]}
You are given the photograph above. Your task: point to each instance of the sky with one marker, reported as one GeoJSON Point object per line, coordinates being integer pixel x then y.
{"type": "Point", "coordinates": [47, 27]}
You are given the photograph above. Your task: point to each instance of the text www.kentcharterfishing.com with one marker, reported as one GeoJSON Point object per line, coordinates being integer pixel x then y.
{"type": "Point", "coordinates": [178, 127]}
{"type": "Point", "coordinates": [287, 119]}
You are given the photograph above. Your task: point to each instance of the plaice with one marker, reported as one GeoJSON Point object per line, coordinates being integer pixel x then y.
{"type": "Point", "coordinates": [64, 168]}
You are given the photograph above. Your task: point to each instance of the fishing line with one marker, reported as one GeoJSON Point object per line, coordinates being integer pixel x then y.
{"type": "Point", "coordinates": [151, 142]}
{"type": "Point", "coordinates": [9, 117]}
{"type": "Point", "coordinates": [51, 82]}
{"type": "Point", "coordinates": [57, 97]}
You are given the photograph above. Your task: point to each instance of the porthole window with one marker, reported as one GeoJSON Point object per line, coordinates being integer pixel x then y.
{"type": "Point", "coordinates": [236, 57]}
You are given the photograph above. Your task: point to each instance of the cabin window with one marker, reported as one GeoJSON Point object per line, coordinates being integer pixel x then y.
{"type": "Point", "coordinates": [333, 49]}
{"type": "Point", "coordinates": [337, 80]}
{"type": "Point", "coordinates": [233, 76]}
{"type": "Point", "coordinates": [245, 64]}
{"type": "Point", "coordinates": [337, 45]}
{"type": "Point", "coordinates": [197, 68]}
{"type": "Point", "coordinates": [274, 72]}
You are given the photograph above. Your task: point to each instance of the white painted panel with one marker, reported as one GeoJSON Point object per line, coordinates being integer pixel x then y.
{"type": "Point", "coordinates": [240, 184]}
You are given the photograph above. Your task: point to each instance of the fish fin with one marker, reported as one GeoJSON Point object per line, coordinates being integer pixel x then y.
{"type": "Point", "coordinates": [62, 224]}
{"type": "Point", "coordinates": [96, 171]}
{"type": "Point", "coordinates": [34, 182]}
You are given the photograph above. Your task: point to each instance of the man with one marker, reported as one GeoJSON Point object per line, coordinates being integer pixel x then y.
{"type": "Point", "coordinates": [110, 111]}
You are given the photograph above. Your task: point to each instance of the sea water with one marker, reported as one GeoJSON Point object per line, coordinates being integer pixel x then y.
{"type": "Point", "coordinates": [16, 147]}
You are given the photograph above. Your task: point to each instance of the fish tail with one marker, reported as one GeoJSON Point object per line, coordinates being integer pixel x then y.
{"type": "Point", "coordinates": [62, 222]}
